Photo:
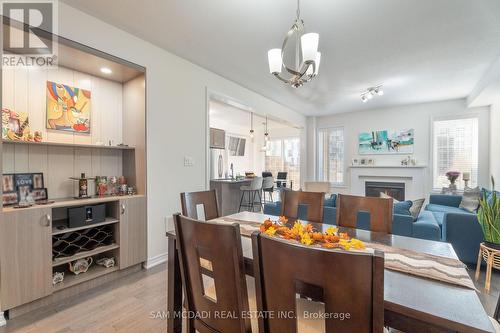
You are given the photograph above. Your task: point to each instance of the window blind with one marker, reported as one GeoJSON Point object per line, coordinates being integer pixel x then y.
{"type": "Point", "coordinates": [455, 148]}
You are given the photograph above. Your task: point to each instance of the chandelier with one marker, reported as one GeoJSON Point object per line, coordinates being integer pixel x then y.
{"type": "Point", "coordinates": [307, 66]}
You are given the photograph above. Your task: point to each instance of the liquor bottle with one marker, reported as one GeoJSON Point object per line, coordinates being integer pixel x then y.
{"type": "Point", "coordinates": [82, 186]}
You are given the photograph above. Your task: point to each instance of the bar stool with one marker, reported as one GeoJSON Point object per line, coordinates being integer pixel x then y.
{"type": "Point", "coordinates": [268, 186]}
{"type": "Point", "coordinates": [252, 190]}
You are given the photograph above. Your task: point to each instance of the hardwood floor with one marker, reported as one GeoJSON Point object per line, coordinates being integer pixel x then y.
{"type": "Point", "coordinates": [128, 305]}
{"type": "Point", "coordinates": [122, 306]}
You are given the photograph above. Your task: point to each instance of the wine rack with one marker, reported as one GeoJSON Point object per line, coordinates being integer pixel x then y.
{"type": "Point", "coordinates": [72, 243]}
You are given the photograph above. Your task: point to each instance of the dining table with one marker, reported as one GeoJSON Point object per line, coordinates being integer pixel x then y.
{"type": "Point", "coordinates": [411, 303]}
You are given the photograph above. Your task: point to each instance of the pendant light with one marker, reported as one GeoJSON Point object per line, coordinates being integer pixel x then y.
{"type": "Point", "coordinates": [307, 57]}
{"type": "Point", "coordinates": [251, 125]}
{"type": "Point", "coordinates": [266, 133]}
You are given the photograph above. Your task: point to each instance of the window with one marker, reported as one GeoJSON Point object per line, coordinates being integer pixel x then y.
{"type": "Point", "coordinates": [331, 155]}
{"type": "Point", "coordinates": [284, 155]}
{"type": "Point", "coordinates": [455, 148]}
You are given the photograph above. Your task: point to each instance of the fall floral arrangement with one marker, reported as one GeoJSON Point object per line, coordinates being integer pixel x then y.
{"type": "Point", "coordinates": [305, 234]}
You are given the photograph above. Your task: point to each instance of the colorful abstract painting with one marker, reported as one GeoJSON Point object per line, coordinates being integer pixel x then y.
{"type": "Point", "coordinates": [68, 108]}
{"type": "Point", "coordinates": [386, 142]}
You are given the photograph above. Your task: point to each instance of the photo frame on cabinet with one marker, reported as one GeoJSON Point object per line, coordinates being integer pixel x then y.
{"type": "Point", "coordinates": [8, 184]}
{"type": "Point", "coordinates": [10, 198]}
{"type": "Point", "coordinates": [39, 194]}
{"type": "Point", "coordinates": [38, 181]}
{"type": "Point", "coordinates": [23, 179]}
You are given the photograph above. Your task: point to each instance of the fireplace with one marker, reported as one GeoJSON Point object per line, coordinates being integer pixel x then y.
{"type": "Point", "coordinates": [395, 190]}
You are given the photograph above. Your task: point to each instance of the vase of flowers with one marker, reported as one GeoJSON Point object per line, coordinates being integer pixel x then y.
{"type": "Point", "coordinates": [488, 217]}
{"type": "Point", "coordinates": [452, 178]}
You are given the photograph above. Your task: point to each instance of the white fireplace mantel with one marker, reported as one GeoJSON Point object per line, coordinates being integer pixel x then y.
{"type": "Point", "coordinates": [389, 166]}
{"type": "Point", "coordinates": [414, 178]}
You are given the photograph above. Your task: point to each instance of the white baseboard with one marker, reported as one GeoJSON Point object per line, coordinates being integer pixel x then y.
{"type": "Point", "coordinates": [155, 261]}
{"type": "Point", "coordinates": [3, 322]}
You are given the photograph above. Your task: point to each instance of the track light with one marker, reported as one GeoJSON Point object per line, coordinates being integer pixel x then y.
{"type": "Point", "coordinates": [371, 92]}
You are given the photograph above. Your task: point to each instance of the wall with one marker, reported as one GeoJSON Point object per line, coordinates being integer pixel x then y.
{"type": "Point", "coordinates": [417, 116]}
{"type": "Point", "coordinates": [176, 92]}
{"type": "Point", "coordinates": [24, 90]}
{"type": "Point", "coordinates": [495, 139]}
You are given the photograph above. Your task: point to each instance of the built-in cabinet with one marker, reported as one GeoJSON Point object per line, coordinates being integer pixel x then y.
{"type": "Point", "coordinates": [29, 246]}
{"type": "Point", "coordinates": [37, 242]}
{"type": "Point", "coordinates": [26, 256]}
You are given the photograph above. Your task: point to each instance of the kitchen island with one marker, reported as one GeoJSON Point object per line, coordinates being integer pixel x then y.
{"type": "Point", "coordinates": [228, 194]}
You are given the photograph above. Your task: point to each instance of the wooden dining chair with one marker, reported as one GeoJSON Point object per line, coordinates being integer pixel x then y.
{"type": "Point", "coordinates": [346, 283]}
{"type": "Point", "coordinates": [380, 210]}
{"type": "Point", "coordinates": [191, 201]}
{"type": "Point", "coordinates": [213, 275]}
{"type": "Point", "coordinates": [290, 201]}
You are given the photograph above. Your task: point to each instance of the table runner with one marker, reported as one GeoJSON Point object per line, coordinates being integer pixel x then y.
{"type": "Point", "coordinates": [424, 265]}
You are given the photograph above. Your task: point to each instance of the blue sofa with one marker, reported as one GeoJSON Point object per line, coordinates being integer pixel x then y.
{"type": "Point", "coordinates": [458, 226]}
{"type": "Point", "coordinates": [426, 226]}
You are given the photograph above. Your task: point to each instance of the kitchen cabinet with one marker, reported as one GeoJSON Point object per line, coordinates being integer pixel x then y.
{"type": "Point", "coordinates": [217, 138]}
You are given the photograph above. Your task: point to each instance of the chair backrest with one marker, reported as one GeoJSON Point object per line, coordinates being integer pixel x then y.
{"type": "Point", "coordinates": [290, 201]}
{"type": "Point", "coordinates": [282, 175]}
{"type": "Point", "coordinates": [380, 210]}
{"type": "Point", "coordinates": [190, 202]}
{"type": "Point", "coordinates": [213, 274]}
{"type": "Point", "coordinates": [268, 183]}
{"type": "Point", "coordinates": [346, 282]}
{"type": "Point", "coordinates": [256, 183]}
{"type": "Point", "coordinates": [266, 174]}
{"type": "Point", "coordinates": [317, 187]}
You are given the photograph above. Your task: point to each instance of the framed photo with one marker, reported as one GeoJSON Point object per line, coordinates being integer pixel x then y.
{"type": "Point", "coordinates": [371, 161]}
{"type": "Point", "coordinates": [363, 161]}
{"type": "Point", "coordinates": [23, 179]}
{"type": "Point", "coordinates": [23, 192]}
{"type": "Point", "coordinates": [40, 194]}
{"type": "Point", "coordinates": [8, 184]}
{"type": "Point", "coordinates": [355, 161]}
{"type": "Point", "coordinates": [38, 181]}
{"type": "Point", "coordinates": [10, 198]}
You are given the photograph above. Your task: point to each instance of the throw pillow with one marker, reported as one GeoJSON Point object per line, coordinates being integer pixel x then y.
{"type": "Point", "coordinates": [403, 207]}
{"type": "Point", "coordinates": [416, 207]}
{"type": "Point", "coordinates": [470, 199]}
{"type": "Point", "coordinates": [331, 201]}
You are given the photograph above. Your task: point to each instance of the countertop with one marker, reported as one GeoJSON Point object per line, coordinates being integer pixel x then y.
{"type": "Point", "coordinates": [230, 181]}
{"type": "Point", "coordinates": [67, 202]}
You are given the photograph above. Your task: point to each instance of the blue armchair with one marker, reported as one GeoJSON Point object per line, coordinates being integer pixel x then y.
{"type": "Point", "coordinates": [458, 226]}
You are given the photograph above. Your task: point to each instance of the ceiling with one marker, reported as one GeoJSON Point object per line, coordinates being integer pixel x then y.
{"type": "Point", "coordinates": [237, 121]}
{"type": "Point", "coordinates": [420, 50]}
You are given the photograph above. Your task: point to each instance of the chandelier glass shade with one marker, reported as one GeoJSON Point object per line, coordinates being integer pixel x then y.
{"type": "Point", "coordinates": [307, 57]}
